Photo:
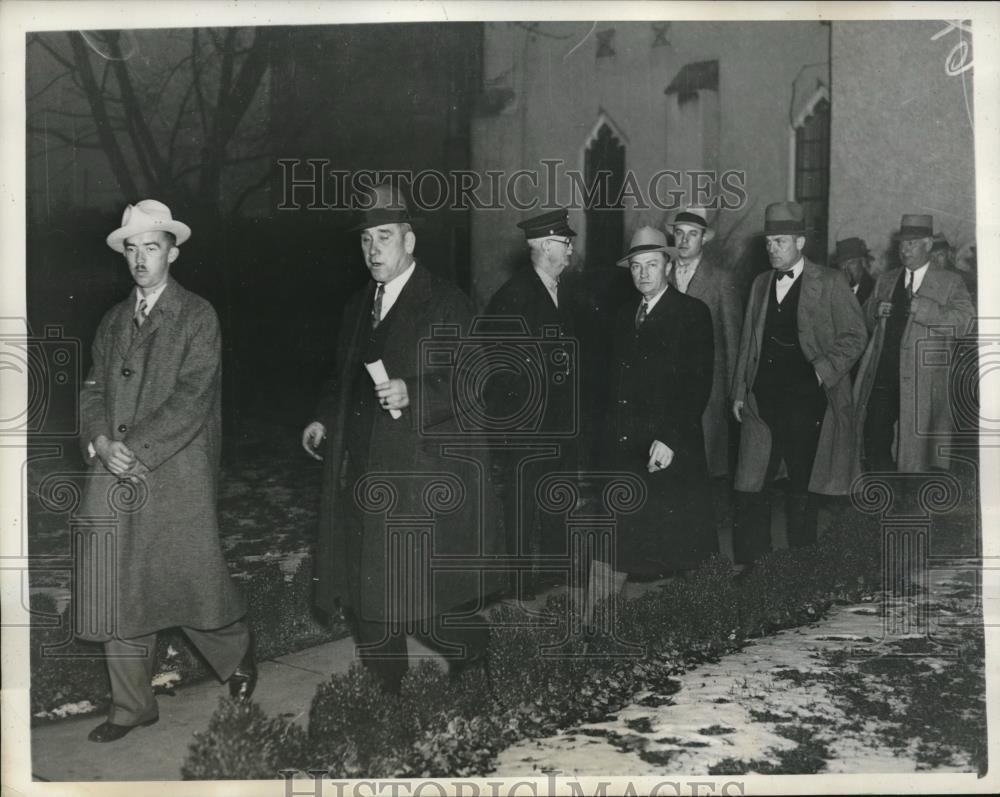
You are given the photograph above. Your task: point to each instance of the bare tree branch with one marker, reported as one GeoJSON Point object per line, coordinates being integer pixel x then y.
{"type": "Point", "coordinates": [142, 136]}
{"type": "Point", "coordinates": [59, 135]}
{"type": "Point", "coordinates": [119, 166]}
{"type": "Point", "coordinates": [36, 38]}
{"type": "Point", "coordinates": [196, 69]}
{"type": "Point", "coordinates": [50, 84]}
{"type": "Point", "coordinates": [252, 189]}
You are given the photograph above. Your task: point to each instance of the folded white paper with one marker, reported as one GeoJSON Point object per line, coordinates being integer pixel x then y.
{"type": "Point", "coordinates": [379, 375]}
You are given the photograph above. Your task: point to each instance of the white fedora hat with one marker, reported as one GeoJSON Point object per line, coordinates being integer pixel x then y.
{"type": "Point", "coordinates": [145, 216]}
{"type": "Point", "coordinates": [696, 217]}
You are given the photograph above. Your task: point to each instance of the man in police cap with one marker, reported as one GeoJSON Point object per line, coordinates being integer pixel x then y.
{"type": "Point", "coordinates": [802, 332]}
{"type": "Point", "coordinates": [150, 416]}
{"type": "Point", "coordinates": [536, 302]}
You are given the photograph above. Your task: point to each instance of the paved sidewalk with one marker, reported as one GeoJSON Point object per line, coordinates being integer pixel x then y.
{"type": "Point", "coordinates": [61, 752]}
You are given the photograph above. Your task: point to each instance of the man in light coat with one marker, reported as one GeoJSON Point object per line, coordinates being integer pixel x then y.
{"type": "Point", "coordinates": [802, 332]}
{"type": "Point", "coordinates": [151, 432]}
{"type": "Point", "coordinates": [696, 273]}
{"type": "Point", "coordinates": [905, 418]}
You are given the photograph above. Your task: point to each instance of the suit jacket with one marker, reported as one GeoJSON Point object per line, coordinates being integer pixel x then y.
{"type": "Point", "coordinates": [940, 311]}
{"type": "Point", "coordinates": [437, 500]}
{"type": "Point", "coordinates": [832, 337]}
{"type": "Point", "coordinates": [157, 390]}
{"type": "Point", "coordinates": [661, 378]}
{"type": "Point", "coordinates": [711, 284]}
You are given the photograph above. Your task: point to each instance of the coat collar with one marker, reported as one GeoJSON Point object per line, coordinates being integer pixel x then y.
{"type": "Point", "coordinates": [166, 310]}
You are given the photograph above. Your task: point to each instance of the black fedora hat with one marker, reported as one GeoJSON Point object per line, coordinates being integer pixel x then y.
{"type": "Point", "coordinates": [849, 249]}
{"type": "Point", "coordinates": [384, 205]}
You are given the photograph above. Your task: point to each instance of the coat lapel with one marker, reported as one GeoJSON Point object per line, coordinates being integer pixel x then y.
{"type": "Point", "coordinates": [164, 311]}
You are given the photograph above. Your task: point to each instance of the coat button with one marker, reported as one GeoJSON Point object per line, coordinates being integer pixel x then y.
{"type": "Point", "coordinates": [122, 428]}
{"type": "Point", "coordinates": [126, 372]}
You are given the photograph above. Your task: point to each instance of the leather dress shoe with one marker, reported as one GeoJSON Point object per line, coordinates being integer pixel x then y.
{"type": "Point", "coordinates": [109, 732]}
{"type": "Point", "coordinates": [244, 678]}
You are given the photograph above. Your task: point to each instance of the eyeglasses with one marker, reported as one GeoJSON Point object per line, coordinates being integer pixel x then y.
{"type": "Point", "coordinates": [563, 241]}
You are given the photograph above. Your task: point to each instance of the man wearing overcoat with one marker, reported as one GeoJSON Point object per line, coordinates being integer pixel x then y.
{"type": "Point", "coordinates": [392, 498]}
{"type": "Point", "coordinates": [802, 332]}
{"type": "Point", "coordinates": [905, 417]}
{"type": "Point", "coordinates": [660, 381]}
{"type": "Point", "coordinates": [151, 432]}
{"type": "Point", "coordinates": [851, 256]}
{"type": "Point", "coordinates": [535, 302]}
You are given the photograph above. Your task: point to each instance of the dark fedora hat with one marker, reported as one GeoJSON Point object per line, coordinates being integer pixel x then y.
{"type": "Point", "coordinates": [784, 218]}
{"type": "Point", "coordinates": [916, 225]}
{"type": "Point", "coordinates": [384, 205]}
{"type": "Point", "coordinates": [940, 244]}
{"type": "Point", "coordinates": [849, 249]}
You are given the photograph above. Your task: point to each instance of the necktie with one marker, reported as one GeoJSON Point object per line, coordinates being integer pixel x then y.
{"type": "Point", "coordinates": [377, 306]}
{"type": "Point", "coordinates": [140, 315]}
{"type": "Point", "coordinates": [641, 315]}
{"type": "Point", "coordinates": [909, 284]}
{"type": "Point", "coordinates": [790, 274]}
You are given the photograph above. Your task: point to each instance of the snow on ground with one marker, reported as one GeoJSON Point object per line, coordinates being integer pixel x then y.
{"type": "Point", "coordinates": [744, 707]}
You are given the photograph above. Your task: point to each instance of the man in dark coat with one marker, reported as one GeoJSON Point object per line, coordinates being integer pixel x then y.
{"type": "Point", "coordinates": [150, 410]}
{"type": "Point", "coordinates": [660, 381]}
{"type": "Point", "coordinates": [802, 332]}
{"type": "Point", "coordinates": [399, 496]}
{"type": "Point", "coordinates": [852, 258]}
{"type": "Point", "coordinates": [541, 437]}
{"type": "Point", "coordinates": [905, 418]}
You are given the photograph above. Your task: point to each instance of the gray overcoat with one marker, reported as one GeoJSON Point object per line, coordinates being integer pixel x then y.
{"type": "Point", "coordinates": [832, 336]}
{"type": "Point", "coordinates": [151, 558]}
{"type": "Point", "coordinates": [939, 311]}
{"type": "Point", "coordinates": [711, 284]}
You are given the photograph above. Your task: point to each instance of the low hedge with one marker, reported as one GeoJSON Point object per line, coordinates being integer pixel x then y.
{"type": "Point", "coordinates": [279, 612]}
{"type": "Point", "coordinates": [436, 728]}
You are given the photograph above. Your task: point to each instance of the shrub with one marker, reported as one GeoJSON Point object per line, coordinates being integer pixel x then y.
{"type": "Point", "coordinates": [241, 738]}
{"type": "Point", "coordinates": [546, 678]}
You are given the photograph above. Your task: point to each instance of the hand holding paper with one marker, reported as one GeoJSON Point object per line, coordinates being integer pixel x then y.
{"type": "Point", "coordinates": [391, 393]}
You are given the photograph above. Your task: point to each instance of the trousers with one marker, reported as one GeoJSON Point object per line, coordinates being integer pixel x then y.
{"type": "Point", "coordinates": [131, 663]}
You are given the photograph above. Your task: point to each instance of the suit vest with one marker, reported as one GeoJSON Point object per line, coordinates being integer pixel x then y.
{"type": "Point", "coordinates": [887, 372]}
{"type": "Point", "coordinates": [783, 367]}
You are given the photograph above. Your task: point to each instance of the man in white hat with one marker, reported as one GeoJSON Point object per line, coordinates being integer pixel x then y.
{"type": "Point", "coordinates": [660, 381]}
{"type": "Point", "coordinates": [151, 433]}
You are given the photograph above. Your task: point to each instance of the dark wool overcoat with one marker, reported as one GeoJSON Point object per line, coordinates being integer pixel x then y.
{"type": "Point", "coordinates": [832, 337]}
{"type": "Point", "coordinates": [661, 378]}
{"type": "Point", "coordinates": [940, 311]}
{"type": "Point", "coordinates": [386, 535]}
{"type": "Point", "coordinates": [151, 557]}
{"type": "Point", "coordinates": [712, 285]}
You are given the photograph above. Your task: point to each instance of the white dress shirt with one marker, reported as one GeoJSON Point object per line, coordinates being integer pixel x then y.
{"type": "Point", "coordinates": [551, 285]}
{"type": "Point", "coordinates": [683, 274]}
{"type": "Point", "coordinates": [150, 298]}
{"type": "Point", "coordinates": [917, 275]}
{"type": "Point", "coordinates": [783, 284]}
{"type": "Point", "coordinates": [392, 289]}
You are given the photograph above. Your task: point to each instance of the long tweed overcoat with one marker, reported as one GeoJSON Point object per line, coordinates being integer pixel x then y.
{"type": "Point", "coordinates": [427, 496]}
{"type": "Point", "coordinates": [939, 312]}
{"type": "Point", "coordinates": [151, 558]}
{"type": "Point", "coordinates": [832, 336]}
